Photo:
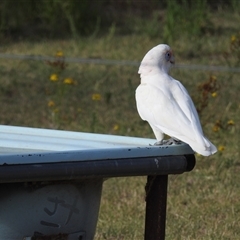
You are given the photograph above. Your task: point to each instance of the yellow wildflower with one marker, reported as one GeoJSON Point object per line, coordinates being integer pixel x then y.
{"type": "Point", "coordinates": [51, 103]}
{"type": "Point", "coordinates": [213, 78]}
{"type": "Point", "coordinates": [230, 122]}
{"type": "Point", "coordinates": [96, 97]}
{"type": "Point", "coordinates": [115, 127]}
{"type": "Point", "coordinates": [233, 38]}
{"type": "Point", "coordinates": [59, 54]}
{"type": "Point", "coordinates": [53, 77]}
{"type": "Point", "coordinates": [68, 81]}
{"type": "Point", "coordinates": [221, 148]}
{"type": "Point", "coordinates": [215, 128]}
{"type": "Point", "coordinates": [214, 94]}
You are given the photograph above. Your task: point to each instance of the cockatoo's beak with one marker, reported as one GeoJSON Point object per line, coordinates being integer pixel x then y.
{"type": "Point", "coordinates": [172, 60]}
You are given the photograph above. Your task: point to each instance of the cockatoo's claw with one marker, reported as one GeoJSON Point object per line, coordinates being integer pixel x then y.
{"type": "Point", "coordinates": [159, 143]}
{"type": "Point", "coordinates": [170, 141]}
{"type": "Point", "coordinates": [177, 142]}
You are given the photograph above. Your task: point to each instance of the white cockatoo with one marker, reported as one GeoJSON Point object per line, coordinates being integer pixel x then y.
{"type": "Point", "coordinates": [166, 105]}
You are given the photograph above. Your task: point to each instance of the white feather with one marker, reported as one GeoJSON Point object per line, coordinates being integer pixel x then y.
{"type": "Point", "coordinates": [166, 105]}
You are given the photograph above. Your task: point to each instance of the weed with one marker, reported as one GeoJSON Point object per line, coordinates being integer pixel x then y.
{"type": "Point", "coordinates": [59, 90]}
{"type": "Point", "coordinates": [185, 18]}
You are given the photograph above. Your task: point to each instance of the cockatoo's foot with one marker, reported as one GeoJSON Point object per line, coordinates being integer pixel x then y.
{"type": "Point", "coordinates": [170, 141]}
{"type": "Point", "coordinates": [159, 143]}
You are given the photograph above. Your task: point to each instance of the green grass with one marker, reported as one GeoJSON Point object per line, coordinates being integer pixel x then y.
{"type": "Point", "coordinates": [202, 204]}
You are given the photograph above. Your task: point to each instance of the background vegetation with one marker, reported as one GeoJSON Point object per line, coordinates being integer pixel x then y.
{"type": "Point", "coordinates": [202, 204]}
{"type": "Point", "coordinates": [65, 18]}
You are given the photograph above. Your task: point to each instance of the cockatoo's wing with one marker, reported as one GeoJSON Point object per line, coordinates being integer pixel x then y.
{"type": "Point", "coordinates": [160, 109]}
{"type": "Point", "coordinates": [170, 109]}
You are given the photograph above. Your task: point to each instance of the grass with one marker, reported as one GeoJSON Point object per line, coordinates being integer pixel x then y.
{"type": "Point", "coordinates": [202, 204]}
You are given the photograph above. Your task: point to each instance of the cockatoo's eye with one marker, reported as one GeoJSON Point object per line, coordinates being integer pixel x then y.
{"type": "Point", "coordinates": [167, 56]}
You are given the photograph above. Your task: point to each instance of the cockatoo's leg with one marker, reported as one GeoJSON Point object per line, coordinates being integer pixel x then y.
{"type": "Point", "coordinates": [158, 133]}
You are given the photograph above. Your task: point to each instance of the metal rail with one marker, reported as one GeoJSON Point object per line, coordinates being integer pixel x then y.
{"type": "Point", "coordinates": [161, 165]}
{"type": "Point", "coordinates": [100, 61]}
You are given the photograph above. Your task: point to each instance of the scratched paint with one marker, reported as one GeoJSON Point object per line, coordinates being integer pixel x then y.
{"type": "Point", "coordinates": [49, 209]}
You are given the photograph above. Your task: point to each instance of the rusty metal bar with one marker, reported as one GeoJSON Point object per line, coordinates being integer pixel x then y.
{"type": "Point", "coordinates": [156, 204]}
